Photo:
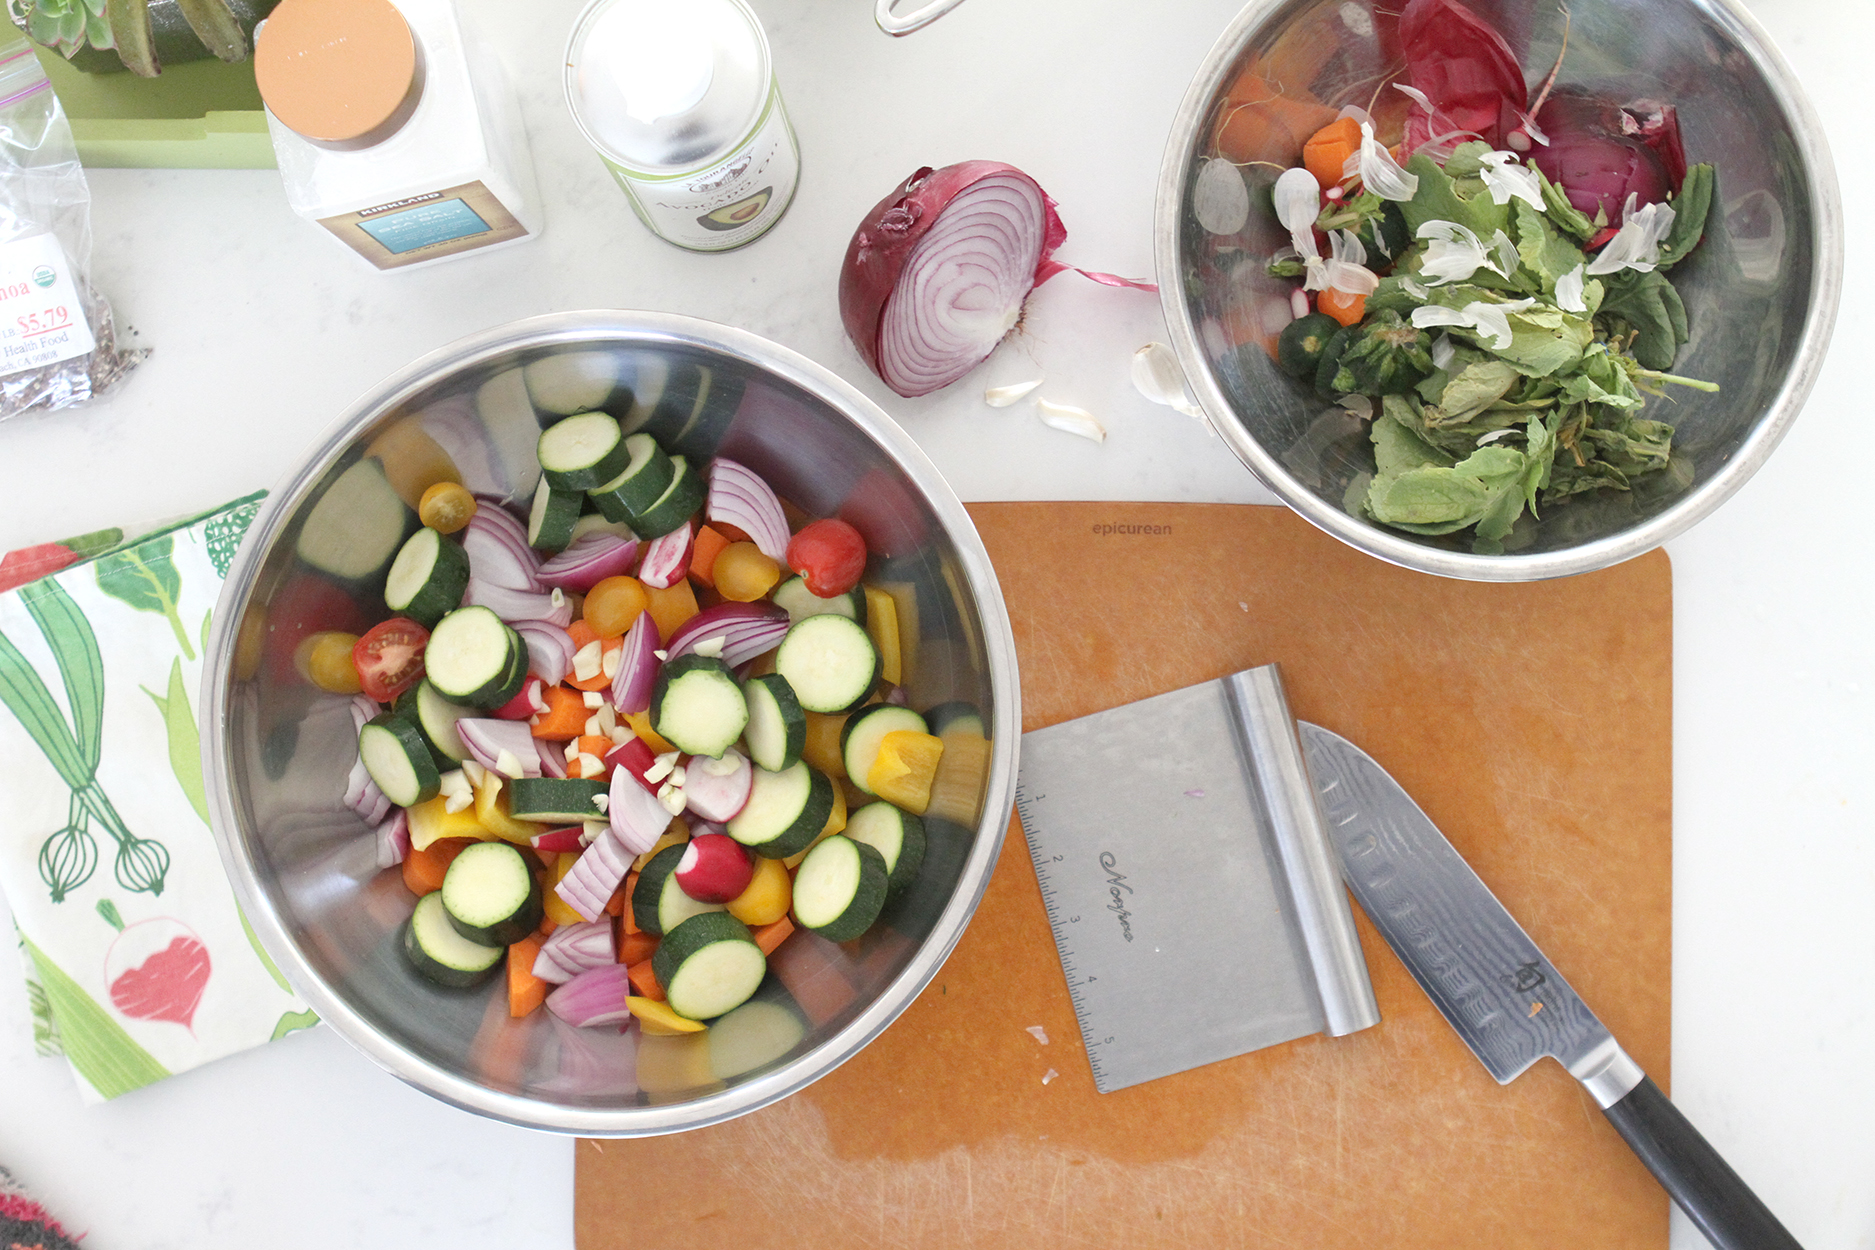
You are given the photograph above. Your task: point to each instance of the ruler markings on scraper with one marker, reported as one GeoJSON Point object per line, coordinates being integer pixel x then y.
{"type": "Point", "coordinates": [1059, 919]}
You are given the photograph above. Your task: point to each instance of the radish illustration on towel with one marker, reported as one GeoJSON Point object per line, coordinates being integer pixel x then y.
{"type": "Point", "coordinates": [156, 969]}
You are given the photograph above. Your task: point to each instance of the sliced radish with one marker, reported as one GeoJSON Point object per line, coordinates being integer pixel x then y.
{"type": "Point", "coordinates": [715, 868]}
{"type": "Point", "coordinates": [667, 559]}
{"type": "Point", "coordinates": [717, 789]}
{"type": "Point", "coordinates": [530, 701]}
{"type": "Point", "coordinates": [571, 838]}
{"type": "Point", "coordinates": [635, 757]}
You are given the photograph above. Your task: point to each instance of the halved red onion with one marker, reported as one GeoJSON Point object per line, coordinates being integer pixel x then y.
{"type": "Point", "coordinates": [515, 606]}
{"type": "Point", "coordinates": [717, 789]}
{"type": "Point", "coordinates": [593, 998]}
{"type": "Point", "coordinates": [549, 649]}
{"type": "Point", "coordinates": [394, 839]}
{"type": "Point", "coordinates": [487, 740]}
{"type": "Point", "coordinates": [558, 841]}
{"type": "Point", "coordinates": [636, 817]}
{"type": "Point", "coordinates": [589, 886]}
{"type": "Point", "coordinates": [589, 561]}
{"type": "Point", "coordinates": [747, 630]}
{"type": "Point", "coordinates": [667, 559]}
{"type": "Point", "coordinates": [637, 666]}
{"type": "Point", "coordinates": [575, 948]}
{"type": "Point", "coordinates": [740, 498]}
{"type": "Point", "coordinates": [496, 545]}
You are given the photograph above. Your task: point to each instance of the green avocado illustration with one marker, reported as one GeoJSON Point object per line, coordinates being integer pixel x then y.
{"type": "Point", "coordinates": [741, 213]}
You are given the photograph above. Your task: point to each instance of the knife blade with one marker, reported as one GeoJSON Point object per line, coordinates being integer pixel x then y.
{"type": "Point", "coordinates": [1496, 989]}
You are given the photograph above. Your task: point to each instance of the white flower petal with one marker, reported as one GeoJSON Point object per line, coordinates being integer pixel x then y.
{"type": "Point", "coordinates": [1415, 95]}
{"type": "Point", "coordinates": [1428, 315]}
{"type": "Point", "coordinates": [1413, 288]}
{"type": "Point", "coordinates": [1490, 321]}
{"type": "Point", "coordinates": [1003, 396]}
{"type": "Point", "coordinates": [1219, 198]}
{"type": "Point", "coordinates": [1351, 279]}
{"type": "Point", "coordinates": [1506, 253]}
{"type": "Point", "coordinates": [1453, 253]}
{"type": "Point", "coordinates": [1487, 320]}
{"type": "Point", "coordinates": [1506, 180]}
{"type": "Point", "coordinates": [1298, 200]}
{"type": "Point", "coordinates": [1344, 245]}
{"type": "Point", "coordinates": [1073, 420]}
{"type": "Point", "coordinates": [1380, 173]}
{"type": "Point", "coordinates": [1443, 352]}
{"type": "Point", "coordinates": [1569, 291]}
{"type": "Point", "coordinates": [1637, 244]}
{"type": "Point", "coordinates": [1316, 278]}
{"type": "Point", "coordinates": [1494, 435]}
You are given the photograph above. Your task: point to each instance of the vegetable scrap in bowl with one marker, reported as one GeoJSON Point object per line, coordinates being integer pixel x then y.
{"type": "Point", "coordinates": [1483, 275]}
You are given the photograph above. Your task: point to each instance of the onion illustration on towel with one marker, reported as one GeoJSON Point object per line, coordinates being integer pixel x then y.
{"type": "Point", "coordinates": [156, 969]}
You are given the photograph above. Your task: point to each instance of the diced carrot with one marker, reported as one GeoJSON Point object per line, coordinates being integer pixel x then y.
{"type": "Point", "coordinates": [1345, 308]}
{"type": "Point", "coordinates": [709, 544]}
{"type": "Point", "coordinates": [734, 533]}
{"type": "Point", "coordinates": [769, 936]}
{"type": "Point", "coordinates": [630, 922]}
{"type": "Point", "coordinates": [1326, 153]}
{"type": "Point", "coordinates": [565, 717]}
{"type": "Point", "coordinates": [615, 906]}
{"type": "Point", "coordinates": [596, 747]}
{"type": "Point", "coordinates": [671, 608]}
{"type": "Point", "coordinates": [636, 947]}
{"type": "Point", "coordinates": [1260, 123]}
{"type": "Point", "coordinates": [546, 926]}
{"type": "Point", "coordinates": [525, 990]}
{"type": "Point", "coordinates": [645, 981]}
{"type": "Point", "coordinates": [424, 869]}
{"type": "Point", "coordinates": [581, 633]}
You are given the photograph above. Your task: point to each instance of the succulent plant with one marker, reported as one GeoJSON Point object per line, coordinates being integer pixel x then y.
{"type": "Point", "coordinates": [124, 25]}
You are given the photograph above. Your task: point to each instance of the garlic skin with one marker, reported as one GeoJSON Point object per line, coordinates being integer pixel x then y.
{"type": "Point", "coordinates": [1003, 396]}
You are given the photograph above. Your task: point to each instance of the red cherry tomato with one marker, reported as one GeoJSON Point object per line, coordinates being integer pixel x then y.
{"type": "Point", "coordinates": [389, 658]}
{"type": "Point", "coordinates": [829, 555]}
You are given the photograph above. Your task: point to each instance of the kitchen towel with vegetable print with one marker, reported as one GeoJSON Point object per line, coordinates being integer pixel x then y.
{"type": "Point", "coordinates": [138, 960]}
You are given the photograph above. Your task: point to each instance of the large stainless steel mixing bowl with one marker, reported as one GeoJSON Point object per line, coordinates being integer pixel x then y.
{"type": "Point", "coordinates": [276, 751]}
{"type": "Point", "coordinates": [1761, 291]}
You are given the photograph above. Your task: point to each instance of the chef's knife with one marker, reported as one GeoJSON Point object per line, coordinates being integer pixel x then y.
{"type": "Point", "coordinates": [1497, 990]}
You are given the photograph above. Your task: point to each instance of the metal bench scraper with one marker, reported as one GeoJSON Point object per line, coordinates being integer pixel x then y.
{"type": "Point", "coordinates": [1195, 898]}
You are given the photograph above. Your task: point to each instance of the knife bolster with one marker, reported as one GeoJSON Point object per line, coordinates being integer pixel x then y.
{"type": "Point", "coordinates": [1608, 1073]}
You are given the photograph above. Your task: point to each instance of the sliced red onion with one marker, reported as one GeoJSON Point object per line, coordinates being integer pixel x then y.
{"type": "Point", "coordinates": [498, 552]}
{"type": "Point", "coordinates": [488, 739]}
{"type": "Point", "coordinates": [552, 761]}
{"type": "Point", "coordinates": [363, 707]}
{"type": "Point", "coordinates": [633, 756]}
{"type": "Point", "coordinates": [747, 630]}
{"type": "Point", "coordinates": [363, 796]}
{"type": "Point", "coordinates": [717, 789]}
{"type": "Point", "coordinates": [897, 696]}
{"type": "Point", "coordinates": [740, 498]}
{"type": "Point", "coordinates": [593, 998]}
{"type": "Point", "coordinates": [589, 886]}
{"type": "Point", "coordinates": [559, 841]}
{"type": "Point", "coordinates": [636, 818]}
{"type": "Point", "coordinates": [575, 948]}
{"type": "Point", "coordinates": [667, 558]}
{"type": "Point", "coordinates": [515, 606]}
{"type": "Point", "coordinates": [394, 839]}
{"type": "Point", "coordinates": [589, 561]}
{"type": "Point", "coordinates": [549, 648]}
{"type": "Point", "coordinates": [637, 666]}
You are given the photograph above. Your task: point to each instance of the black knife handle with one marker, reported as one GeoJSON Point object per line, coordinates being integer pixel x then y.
{"type": "Point", "coordinates": [1705, 1186]}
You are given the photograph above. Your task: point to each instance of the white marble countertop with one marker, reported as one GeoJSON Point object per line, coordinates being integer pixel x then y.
{"type": "Point", "coordinates": [264, 332]}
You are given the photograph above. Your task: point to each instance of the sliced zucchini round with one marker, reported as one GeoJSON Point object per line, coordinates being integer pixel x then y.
{"type": "Point", "coordinates": [896, 834]}
{"type": "Point", "coordinates": [437, 717]}
{"type": "Point", "coordinates": [777, 730]}
{"type": "Point", "coordinates": [830, 662]}
{"type": "Point", "coordinates": [427, 578]}
{"type": "Point", "coordinates": [597, 523]}
{"type": "Point", "coordinates": [397, 756]}
{"type": "Point", "coordinates": [582, 451]}
{"type": "Point", "coordinates": [440, 953]}
{"type": "Point", "coordinates": [839, 889]}
{"type": "Point", "coordinates": [801, 603]}
{"type": "Point", "coordinates": [677, 504]}
{"type": "Point", "coordinates": [697, 707]}
{"type": "Point", "coordinates": [553, 516]}
{"type": "Point", "coordinates": [555, 800]}
{"type": "Point", "coordinates": [859, 737]}
{"type": "Point", "coordinates": [955, 717]}
{"type": "Point", "coordinates": [786, 811]}
{"type": "Point", "coordinates": [641, 484]}
{"type": "Point", "coordinates": [472, 656]}
{"type": "Point", "coordinates": [357, 527]}
{"type": "Point", "coordinates": [569, 382]}
{"type": "Point", "coordinates": [491, 894]}
{"type": "Point", "coordinates": [658, 903]}
{"type": "Point", "coordinates": [708, 965]}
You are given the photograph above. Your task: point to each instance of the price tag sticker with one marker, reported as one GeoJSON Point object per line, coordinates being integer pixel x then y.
{"type": "Point", "coordinates": [41, 319]}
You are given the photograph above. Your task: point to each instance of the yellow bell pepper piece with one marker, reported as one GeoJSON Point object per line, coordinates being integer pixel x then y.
{"type": "Point", "coordinates": [836, 821]}
{"type": "Point", "coordinates": [767, 897]}
{"type": "Point", "coordinates": [821, 747]}
{"type": "Point", "coordinates": [904, 769]}
{"type": "Point", "coordinates": [430, 821]}
{"type": "Point", "coordinates": [656, 1019]}
{"type": "Point", "coordinates": [962, 773]}
{"type": "Point", "coordinates": [675, 832]}
{"type": "Point", "coordinates": [641, 725]}
{"type": "Point", "coordinates": [882, 625]}
{"type": "Point", "coordinates": [558, 909]}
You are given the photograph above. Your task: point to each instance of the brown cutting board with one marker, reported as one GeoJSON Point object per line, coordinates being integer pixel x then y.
{"type": "Point", "coordinates": [1532, 722]}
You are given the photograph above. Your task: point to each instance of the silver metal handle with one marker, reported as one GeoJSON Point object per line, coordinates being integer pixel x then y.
{"type": "Point", "coordinates": [904, 23]}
